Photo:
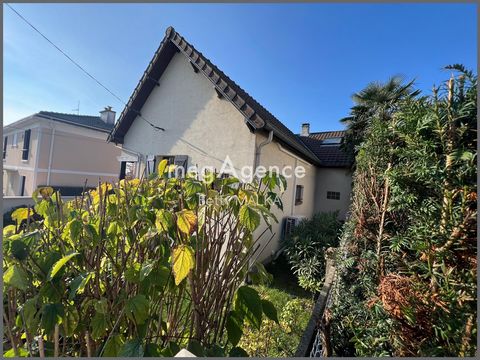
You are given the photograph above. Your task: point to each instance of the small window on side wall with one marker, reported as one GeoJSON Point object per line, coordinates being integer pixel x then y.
{"type": "Point", "coordinates": [333, 195]}
{"type": "Point", "coordinates": [299, 195]}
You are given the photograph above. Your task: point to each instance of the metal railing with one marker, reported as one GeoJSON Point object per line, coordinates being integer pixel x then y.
{"type": "Point", "coordinates": [311, 343]}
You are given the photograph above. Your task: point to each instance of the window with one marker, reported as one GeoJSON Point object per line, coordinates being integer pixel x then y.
{"type": "Point", "coordinates": [151, 164]}
{"type": "Point", "coordinates": [15, 140]}
{"type": "Point", "coordinates": [332, 141]}
{"type": "Point", "coordinates": [5, 141]}
{"type": "Point", "coordinates": [333, 195]}
{"type": "Point", "coordinates": [26, 144]}
{"type": "Point", "coordinates": [128, 170]}
{"type": "Point", "coordinates": [299, 195]}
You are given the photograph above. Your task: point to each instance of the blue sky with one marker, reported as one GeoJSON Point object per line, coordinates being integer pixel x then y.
{"type": "Point", "coordinates": [301, 61]}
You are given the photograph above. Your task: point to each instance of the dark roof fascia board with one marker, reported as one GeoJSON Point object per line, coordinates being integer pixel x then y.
{"type": "Point", "coordinates": [241, 100]}
{"type": "Point", "coordinates": [72, 123]}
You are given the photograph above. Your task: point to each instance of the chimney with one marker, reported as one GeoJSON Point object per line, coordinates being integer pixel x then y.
{"type": "Point", "coordinates": [305, 129]}
{"type": "Point", "coordinates": [108, 115]}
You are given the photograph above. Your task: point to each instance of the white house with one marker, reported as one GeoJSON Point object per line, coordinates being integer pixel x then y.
{"type": "Point", "coordinates": [184, 108]}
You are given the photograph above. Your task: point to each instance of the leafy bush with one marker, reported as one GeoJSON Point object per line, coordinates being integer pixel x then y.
{"type": "Point", "coordinates": [407, 284]}
{"type": "Point", "coordinates": [278, 339]}
{"type": "Point", "coordinates": [306, 248]}
{"type": "Point", "coordinates": [139, 268]}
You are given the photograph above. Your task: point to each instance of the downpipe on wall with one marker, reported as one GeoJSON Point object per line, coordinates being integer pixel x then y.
{"type": "Point", "coordinates": [258, 150]}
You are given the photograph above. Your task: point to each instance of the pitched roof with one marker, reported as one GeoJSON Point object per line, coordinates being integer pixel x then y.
{"type": "Point", "coordinates": [91, 122]}
{"type": "Point", "coordinates": [257, 115]}
{"type": "Point", "coordinates": [330, 155]}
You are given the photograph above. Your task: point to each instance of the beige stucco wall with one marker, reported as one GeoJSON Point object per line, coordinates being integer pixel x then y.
{"type": "Point", "coordinates": [14, 154]}
{"type": "Point", "coordinates": [333, 179]}
{"type": "Point", "coordinates": [78, 154]}
{"type": "Point", "coordinates": [274, 154]}
{"type": "Point", "coordinates": [197, 123]}
{"type": "Point", "coordinates": [11, 178]}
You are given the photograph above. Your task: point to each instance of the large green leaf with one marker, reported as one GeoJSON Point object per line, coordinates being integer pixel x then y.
{"type": "Point", "coordinates": [113, 346]}
{"type": "Point", "coordinates": [234, 328]}
{"type": "Point", "coordinates": [238, 352]}
{"type": "Point", "coordinates": [249, 217]}
{"type": "Point", "coordinates": [15, 276]}
{"type": "Point", "coordinates": [146, 270]}
{"type": "Point", "coordinates": [152, 350]}
{"type": "Point", "coordinates": [51, 314]}
{"type": "Point", "coordinates": [196, 348]}
{"type": "Point", "coordinates": [164, 220]}
{"type": "Point", "coordinates": [99, 325]}
{"type": "Point", "coordinates": [59, 264]}
{"type": "Point", "coordinates": [70, 321]}
{"type": "Point", "coordinates": [19, 249]}
{"type": "Point", "coordinates": [30, 315]}
{"type": "Point", "coordinates": [183, 258]}
{"type": "Point", "coordinates": [76, 227]}
{"type": "Point", "coordinates": [193, 187]}
{"type": "Point", "coordinates": [137, 309]}
{"type": "Point", "coordinates": [269, 310]}
{"type": "Point", "coordinates": [249, 305]}
{"type": "Point", "coordinates": [132, 348]}
{"type": "Point", "coordinates": [77, 286]}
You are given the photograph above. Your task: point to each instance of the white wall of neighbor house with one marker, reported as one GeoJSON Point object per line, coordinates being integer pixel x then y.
{"type": "Point", "coordinates": [71, 154]}
{"type": "Point", "coordinates": [197, 123]}
{"type": "Point", "coordinates": [275, 154]}
{"type": "Point", "coordinates": [14, 167]}
{"type": "Point", "coordinates": [335, 180]}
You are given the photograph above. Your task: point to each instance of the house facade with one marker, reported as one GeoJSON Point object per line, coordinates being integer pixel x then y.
{"type": "Point", "coordinates": [64, 151]}
{"type": "Point", "coordinates": [187, 110]}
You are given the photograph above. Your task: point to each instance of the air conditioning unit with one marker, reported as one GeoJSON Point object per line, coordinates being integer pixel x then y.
{"type": "Point", "coordinates": [289, 223]}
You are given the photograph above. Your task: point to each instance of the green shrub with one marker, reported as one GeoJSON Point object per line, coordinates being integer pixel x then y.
{"type": "Point", "coordinates": [407, 283]}
{"type": "Point", "coordinates": [306, 248]}
{"type": "Point", "coordinates": [278, 339]}
{"type": "Point", "coordinates": [138, 268]}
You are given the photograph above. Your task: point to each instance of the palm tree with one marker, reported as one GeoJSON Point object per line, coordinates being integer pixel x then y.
{"type": "Point", "coordinates": [376, 99]}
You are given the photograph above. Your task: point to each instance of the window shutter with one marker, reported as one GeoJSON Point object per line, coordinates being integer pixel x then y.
{"type": "Point", "coordinates": [5, 146]}
{"type": "Point", "coordinates": [181, 161]}
{"type": "Point", "coordinates": [26, 144]}
{"type": "Point", "coordinates": [123, 170]}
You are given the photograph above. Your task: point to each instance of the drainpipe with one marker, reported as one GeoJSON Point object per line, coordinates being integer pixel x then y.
{"type": "Point", "coordinates": [294, 178]}
{"type": "Point", "coordinates": [37, 156]}
{"type": "Point", "coordinates": [258, 149]}
{"type": "Point", "coordinates": [50, 156]}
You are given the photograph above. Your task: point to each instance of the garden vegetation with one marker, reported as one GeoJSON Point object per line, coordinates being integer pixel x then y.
{"type": "Point", "coordinates": [139, 268]}
{"type": "Point", "coordinates": [407, 281]}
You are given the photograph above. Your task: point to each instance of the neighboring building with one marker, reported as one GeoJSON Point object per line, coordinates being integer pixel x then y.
{"type": "Point", "coordinates": [186, 109]}
{"type": "Point", "coordinates": [65, 151]}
